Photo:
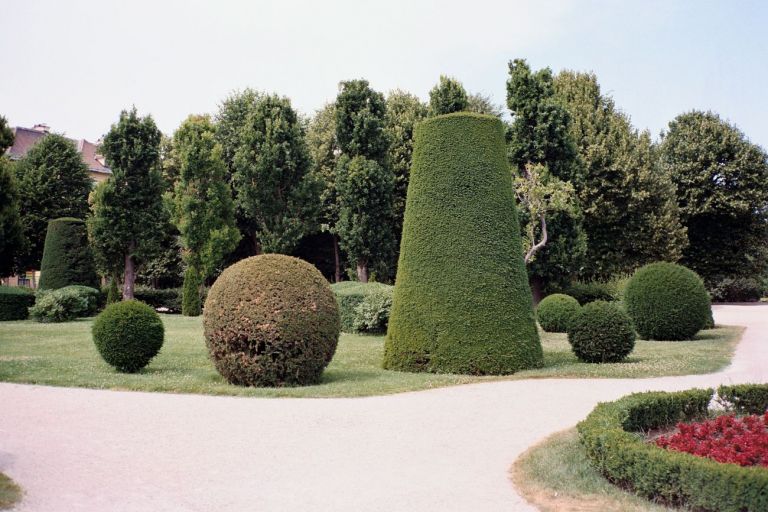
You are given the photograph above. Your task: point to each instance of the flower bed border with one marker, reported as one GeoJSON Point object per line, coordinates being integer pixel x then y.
{"type": "Point", "coordinates": [613, 439]}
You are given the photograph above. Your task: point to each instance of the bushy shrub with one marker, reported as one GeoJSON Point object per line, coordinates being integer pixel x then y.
{"type": "Point", "coordinates": [738, 289]}
{"type": "Point", "coordinates": [67, 257]}
{"type": "Point", "coordinates": [128, 335]}
{"type": "Point", "coordinates": [667, 301]}
{"type": "Point", "coordinates": [349, 295]}
{"type": "Point", "coordinates": [590, 291]}
{"type": "Point", "coordinates": [65, 304]}
{"type": "Point", "coordinates": [601, 333]}
{"type": "Point", "coordinates": [745, 398]}
{"type": "Point", "coordinates": [271, 320]}
{"type": "Point", "coordinates": [610, 436]}
{"type": "Point", "coordinates": [462, 303]}
{"type": "Point", "coordinates": [372, 314]}
{"type": "Point", "coordinates": [113, 293]}
{"type": "Point", "coordinates": [15, 303]}
{"type": "Point", "coordinates": [556, 312]}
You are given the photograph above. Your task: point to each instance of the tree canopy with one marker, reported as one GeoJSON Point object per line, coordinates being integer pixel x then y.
{"type": "Point", "coordinates": [447, 96]}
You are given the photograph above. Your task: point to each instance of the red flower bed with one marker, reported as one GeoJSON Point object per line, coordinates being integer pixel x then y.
{"type": "Point", "coordinates": [743, 441]}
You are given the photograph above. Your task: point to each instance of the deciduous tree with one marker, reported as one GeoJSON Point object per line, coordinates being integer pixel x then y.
{"type": "Point", "coordinates": [447, 96]}
{"type": "Point", "coordinates": [11, 233]}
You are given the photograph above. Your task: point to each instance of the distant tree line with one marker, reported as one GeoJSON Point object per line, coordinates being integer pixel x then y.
{"type": "Point", "coordinates": [597, 197]}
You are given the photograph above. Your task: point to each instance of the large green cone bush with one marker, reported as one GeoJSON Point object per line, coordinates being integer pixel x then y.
{"type": "Point", "coordinates": [667, 301]}
{"type": "Point", "coordinates": [271, 320]}
{"type": "Point", "coordinates": [462, 303]}
{"type": "Point", "coordinates": [67, 257]}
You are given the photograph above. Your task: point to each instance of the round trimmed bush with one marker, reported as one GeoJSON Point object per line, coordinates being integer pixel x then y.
{"type": "Point", "coordinates": [67, 257]}
{"type": "Point", "coordinates": [128, 335]}
{"type": "Point", "coordinates": [462, 303]}
{"type": "Point", "coordinates": [667, 301]}
{"type": "Point", "coordinates": [601, 333]}
{"type": "Point", "coordinates": [556, 312]}
{"type": "Point", "coordinates": [271, 320]}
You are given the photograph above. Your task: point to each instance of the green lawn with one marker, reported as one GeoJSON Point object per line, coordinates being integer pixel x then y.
{"type": "Point", "coordinates": [64, 355]}
{"type": "Point", "coordinates": [10, 493]}
{"type": "Point", "coordinates": [556, 476]}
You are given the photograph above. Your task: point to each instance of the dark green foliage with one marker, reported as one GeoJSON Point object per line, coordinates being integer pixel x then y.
{"type": "Point", "coordinates": [6, 135]}
{"type": "Point", "coordinates": [601, 333]}
{"type": "Point", "coordinates": [55, 183]}
{"type": "Point", "coordinates": [191, 304]}
{"type": "Point", "coordinates": [667, 301]}
{"type": "Point", "coordinates": [65, 304]}
{"type": "Point", "coordinates": [360, 115]}
{"type": "Point", "coordinates": [275, 195]}
{"type": "Point", "coordinates": [11, 232]}
{"type": "Point", "coordinates": [113, 293]}
{"type": "Point", "coordinates": [720, 177]}
{"type": "Point", "coordinates": [365, 191]}
{"type": "Point", "coordinates": [611, 439]}
{"type": "Point", "coordinates": [556, 312]}
{"type": "Point", "coordinates": [447, 96]}
{"type": "Point", "coordinates": [590, 291]}
{"type": "Point", "coordinates": [271, 320]}
{"type": "Point", "coordinates": [166, 300]}
{"type": "Point", "coordinates": [128, 335]}
{"type": "Point", "coordinates": [736, 289]}
{"type": "Point", "coordinates": [745, 398]}
{"type": "Point", "coordinates": [457, 308]}
{"type": "Point", "coordinates": [129, 219]}
{"type": "Point", "coordinates": [67, 257]}
{"type": "Point", "coordinates": [350, 295]}
{"type": "Point", "coordinates": [15, 303]}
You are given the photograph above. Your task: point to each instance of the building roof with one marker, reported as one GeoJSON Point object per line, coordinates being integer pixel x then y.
{"type": "Point", "coordinates": [26, 138]}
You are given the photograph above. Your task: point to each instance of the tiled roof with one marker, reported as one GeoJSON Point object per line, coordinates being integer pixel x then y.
{"type": "Point", "coordinates": [25, 138]}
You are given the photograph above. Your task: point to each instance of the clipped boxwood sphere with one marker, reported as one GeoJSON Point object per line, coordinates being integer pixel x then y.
{"type": "Point", "coordinates": [601, 333]}
{"type": "Point", "coordinates": [667, 301]}
{"type": "Point", "coordinates": [555, 312]}
{"type": "Point", "coordinates": [462, 303]}
{"type": "Point", "coordinates": [67, 257]}
{"type": "Point", "coordinates": [128, 335]}
{"type": "Point", "coordinates": [271, 320]}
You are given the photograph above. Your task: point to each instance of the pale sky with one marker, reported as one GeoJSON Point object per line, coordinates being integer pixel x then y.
{"type": "Point", "coordinates": [75, 64]}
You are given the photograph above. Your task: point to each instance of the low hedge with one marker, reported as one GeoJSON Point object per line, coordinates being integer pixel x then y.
{"type": "Point", "coordinates": [350, 295]}
{"type": "Point", "coordinates": [15, 303]}
{"type": "Point", "coordinates": [612, 436]}
{"type": "Point", "coordinates": [745, 398]}
{"type": "Point", "coordinates": [167, 300]}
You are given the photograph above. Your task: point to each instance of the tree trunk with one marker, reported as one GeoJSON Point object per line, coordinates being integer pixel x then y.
{"type": "Point", "coordinates": [256, 244]}
{"type": "Point", "coordinates": [130, 273]}
{"type": "Point", "coordinates": [537, 289]}
{"type": "Point", "coordinates": [336, 261]}
{"type": "Point", "coordinates": [362, 270]}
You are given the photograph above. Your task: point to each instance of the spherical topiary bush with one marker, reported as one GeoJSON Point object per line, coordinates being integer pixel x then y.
{"type": "Point", "coordinates": [271, 320]}
{"type": "Point", "coordinates": [667, 301]}
{"type": "Point", "coordinates": [128, 335]}
{"type": "Point", "coordinates": [462, 303]}
{"type": "Point", "coordinates": [601, 333]}
{"type": "Point", "coordinates": [555, 312]}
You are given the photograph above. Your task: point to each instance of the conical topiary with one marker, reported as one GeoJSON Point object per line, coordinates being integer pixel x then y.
{"type": "Point", "coordinates": [67, 257]}
{"type": "Point", "coordinates": [462, 303]}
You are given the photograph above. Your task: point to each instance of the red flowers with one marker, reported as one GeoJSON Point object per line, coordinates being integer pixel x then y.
{"type": "Point", "coordinates": [743, 441]}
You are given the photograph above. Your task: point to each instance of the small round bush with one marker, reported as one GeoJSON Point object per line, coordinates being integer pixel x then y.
{"type": "Point", "coordinates": [555, 312]}
{"type": "Point", "coordinates": [667, 301]}
{"type": "Point", "coordinates": [271, 320]}
{"type": "Point", "coordinates": [601, 333]}
{"type": "Point", "coordinates": [128, 335]}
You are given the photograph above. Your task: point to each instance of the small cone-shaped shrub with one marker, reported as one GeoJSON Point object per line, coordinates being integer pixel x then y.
{"type": "Point", "coordinates": [67, 257]}
{"type": "Point", "coordinates": [462, 303]}
{"type": "Point", "coordinates": [113, 293]}
{"type": "Point", "coordinates": [191, 305]}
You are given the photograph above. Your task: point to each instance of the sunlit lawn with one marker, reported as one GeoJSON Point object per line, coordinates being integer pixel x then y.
{"type": "Point", "coordinates": [64, 355]}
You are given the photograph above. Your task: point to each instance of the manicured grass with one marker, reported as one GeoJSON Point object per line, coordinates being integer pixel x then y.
{"type": "Point", "coordinates": [64, 355]}
{"type": "Point", "coordinates": [10, 493]}
{"type": "Point", "coordinates": [555, 476]}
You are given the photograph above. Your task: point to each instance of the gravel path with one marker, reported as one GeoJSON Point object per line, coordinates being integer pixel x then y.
{"type": "Point", "coordinates": [441, 450]}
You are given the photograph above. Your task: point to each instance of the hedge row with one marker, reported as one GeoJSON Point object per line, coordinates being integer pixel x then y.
{"type": "Point", "coordinates": [15, 303]}
{"type": "Point", "coordinates": [350, 296]}
{"type": "Point", "coordinates": [613, 440]}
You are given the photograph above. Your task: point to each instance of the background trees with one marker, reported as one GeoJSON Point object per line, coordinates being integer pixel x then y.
{"type": "Point", "coordinates": [722, 195]}
{"type": "Point", "coordinates": [364, 180]}
{"type": "Point", "coordinates": [128, 214]}
{"type": "Point", "coordinates": [11, 233]}
{"type": "Point", "coordinates": [56, 184]}
{"type": "Point", "coordinates": [202, 206]}
{"type": "Point", "coordinates": [447, 96]}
